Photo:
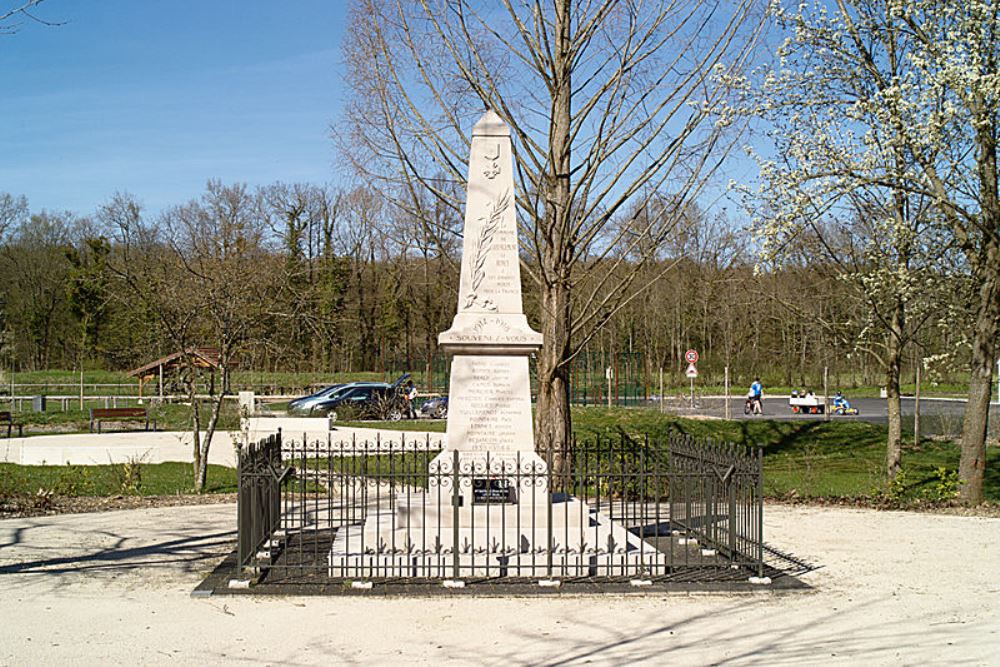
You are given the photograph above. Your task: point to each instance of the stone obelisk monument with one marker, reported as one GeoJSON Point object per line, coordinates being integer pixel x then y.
{"type": "Point", "coordinates": [489, 398]}
{"type": "Point", "coordinates": [492, 513]}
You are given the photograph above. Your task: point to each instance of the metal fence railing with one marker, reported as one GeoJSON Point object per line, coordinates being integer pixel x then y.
{"type": "Point", "coordinates": [260, 474]}
{"type": "Point", "coordinates": [719, 498]}
{"type": "Point", "coordinates": [405, 511]}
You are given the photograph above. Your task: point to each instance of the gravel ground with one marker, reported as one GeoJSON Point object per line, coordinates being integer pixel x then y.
{"type": "Point", "coordinates": [114, 588]}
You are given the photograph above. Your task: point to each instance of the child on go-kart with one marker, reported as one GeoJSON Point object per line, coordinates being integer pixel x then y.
{"type": "Point", "coordinates": [842, 406]}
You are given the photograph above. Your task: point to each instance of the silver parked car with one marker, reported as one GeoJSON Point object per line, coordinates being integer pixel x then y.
{"type": "Point", "coordinates": [304, 404]}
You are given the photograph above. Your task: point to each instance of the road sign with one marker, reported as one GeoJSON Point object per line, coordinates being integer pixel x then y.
{"type": "Point", "coordinates": [691, 356]}
{"type": "Point", "coordinates": [692, 371]}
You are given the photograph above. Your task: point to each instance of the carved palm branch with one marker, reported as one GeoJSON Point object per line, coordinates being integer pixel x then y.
{"type": "Point", "coordinates": [483, 244]}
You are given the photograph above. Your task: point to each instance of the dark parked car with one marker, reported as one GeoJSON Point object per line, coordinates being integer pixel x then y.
{"type": "Point", "coordinates": [364, 400]}
{"type": "Point", "coordinates": [435, 408]}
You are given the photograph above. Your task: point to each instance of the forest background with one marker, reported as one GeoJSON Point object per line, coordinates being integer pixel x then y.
{"type": "Point", "coordinates": [355, 286]}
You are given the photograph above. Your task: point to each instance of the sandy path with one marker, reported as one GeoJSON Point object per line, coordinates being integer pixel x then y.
{"type": "Point", "coordinates": [113, 588]}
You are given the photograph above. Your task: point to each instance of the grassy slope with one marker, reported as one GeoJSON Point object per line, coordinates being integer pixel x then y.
{"type": "Point", "coordinates": [157, 479]}
{"type": "Point", "coordinates": [808, 459]}
{"type": "Point", "coordinates": [803, 458]}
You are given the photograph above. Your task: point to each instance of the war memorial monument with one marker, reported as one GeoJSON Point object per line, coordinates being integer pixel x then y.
{"type": "Point", "coordinates": [487, 509]}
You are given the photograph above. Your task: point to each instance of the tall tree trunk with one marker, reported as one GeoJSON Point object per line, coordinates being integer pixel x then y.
{"type": "Point", "coordinates": [894, 361]}
{"type": "Point", "coordinates": [195, 432]}
{"type": "Point", "coordinates": [972, 464]}
{"type": "Point", "coordinates": [897, 334]}
{"type": "Point", "coordinates": [206, 443]}
{"type": "Point", "coordinates": [553, 421]}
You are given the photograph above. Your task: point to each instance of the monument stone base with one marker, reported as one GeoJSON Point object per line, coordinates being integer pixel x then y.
{"type": "Point", "coordinates": [418, 537]}
{"type": "Point", "coordinates": [483, 478]}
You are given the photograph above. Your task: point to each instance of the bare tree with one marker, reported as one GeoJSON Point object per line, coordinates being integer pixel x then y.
{"type": "Point", "coordinates": [202, 270]}
{"type": "Point", "coordinates": [12, 18]}
{"type": "Point", "coordinates": [13, 210]}
{"type": "Point", "coordinates": [608, 102]}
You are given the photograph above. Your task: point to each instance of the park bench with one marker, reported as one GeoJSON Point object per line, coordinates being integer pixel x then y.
{"type": "Point", "coordinates": [8, 419]}
{"type": "Point", "coordinates": [97, 415]}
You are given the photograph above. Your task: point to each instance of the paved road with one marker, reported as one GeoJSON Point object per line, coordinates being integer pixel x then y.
{"type": "Point", "coordinates": [937, 415]}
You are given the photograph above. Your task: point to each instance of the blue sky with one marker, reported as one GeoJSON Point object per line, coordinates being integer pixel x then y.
{"type": "Point", "coordinates": [156, 97]}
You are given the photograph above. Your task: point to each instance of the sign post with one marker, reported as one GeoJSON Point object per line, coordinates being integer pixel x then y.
{"type": "Point", "coordinates": [726, 392]}
{"type": "Point", "coordinates": [609, 374]}
{"type": "Point", "coordinates": [661, 388]}
{"type": "Point", "coordinates": [691, 356]}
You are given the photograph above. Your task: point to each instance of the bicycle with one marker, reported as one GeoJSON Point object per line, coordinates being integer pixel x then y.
{"type": "Point", "coordinates": [754, 406]}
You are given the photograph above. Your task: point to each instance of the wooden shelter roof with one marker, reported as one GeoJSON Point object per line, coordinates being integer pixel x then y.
{"type": "Point", "coordinates": [205, 357]}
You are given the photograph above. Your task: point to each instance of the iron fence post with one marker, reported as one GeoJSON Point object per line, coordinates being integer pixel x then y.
{"type": "Point", "coordinates": [240, 509]}
{"type": "Point", "coordinates": [275, 487]}
{"type": "Point", "coordinates": [760, 512]}
{"type": "Point", "coordinates": [456, 498]}
{"type": "Point", "coordinates": [548, 529]}
{"type": "Point", "coordinates": [733, 519]}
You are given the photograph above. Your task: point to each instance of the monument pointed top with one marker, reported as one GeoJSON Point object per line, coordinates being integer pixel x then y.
{"type": "Point", "coordinates": [490, 125]}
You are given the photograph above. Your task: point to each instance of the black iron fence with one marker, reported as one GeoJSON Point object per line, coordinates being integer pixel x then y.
{"type": "Point", "coordinates": [260, 475]}
{"type": "Point", "coordinates": [407, 511]}
{"type": "Point", "coordinates": [718, 497]}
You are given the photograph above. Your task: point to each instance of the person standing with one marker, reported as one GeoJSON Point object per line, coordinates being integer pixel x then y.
{"type": "Point", "coordinates": [409, 396]}
{"type": "Point", "coordinates": [757, 395]}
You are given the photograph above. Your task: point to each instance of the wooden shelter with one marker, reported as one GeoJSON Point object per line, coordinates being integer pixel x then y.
{"type": "Point", "coordinates": [201, 357]}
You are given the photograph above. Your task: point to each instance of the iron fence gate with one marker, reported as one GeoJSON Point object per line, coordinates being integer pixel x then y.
{"type": "Point", "coordinates": [403, 510]}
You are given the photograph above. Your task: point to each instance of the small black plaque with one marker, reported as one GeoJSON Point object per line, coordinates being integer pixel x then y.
{"type": "Point", "coordinates": [487, 491]}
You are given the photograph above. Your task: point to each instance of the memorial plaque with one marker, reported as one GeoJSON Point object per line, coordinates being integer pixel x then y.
{"type": "Point", "coordinates": [493, 491]}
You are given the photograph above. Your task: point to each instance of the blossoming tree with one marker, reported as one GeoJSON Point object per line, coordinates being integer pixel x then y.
{"type": "Point", "coordinates": [894, 104]}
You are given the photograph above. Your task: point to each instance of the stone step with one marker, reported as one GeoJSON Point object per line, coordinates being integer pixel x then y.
{"type": "Point", "coordinates": [524, 513]}
{"type": "Point", "coordinates": [522, 565]}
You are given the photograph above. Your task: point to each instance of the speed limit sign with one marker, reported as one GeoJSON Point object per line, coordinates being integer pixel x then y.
{"type": "Point", "coordinates": [691, 356]}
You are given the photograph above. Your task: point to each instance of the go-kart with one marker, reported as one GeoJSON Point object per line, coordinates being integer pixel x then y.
{"type": "Point", "coordinates": [841, 406]}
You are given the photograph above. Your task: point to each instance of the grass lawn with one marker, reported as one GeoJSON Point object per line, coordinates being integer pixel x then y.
{"type": "Point", "coordinates": [169, 417]}
{"type": "Point", "coordinates": [155, 479]}
{"type": "Point", "coordinates": [806, 459]}
{"type": "Point", "coordinates": [802, 459]}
